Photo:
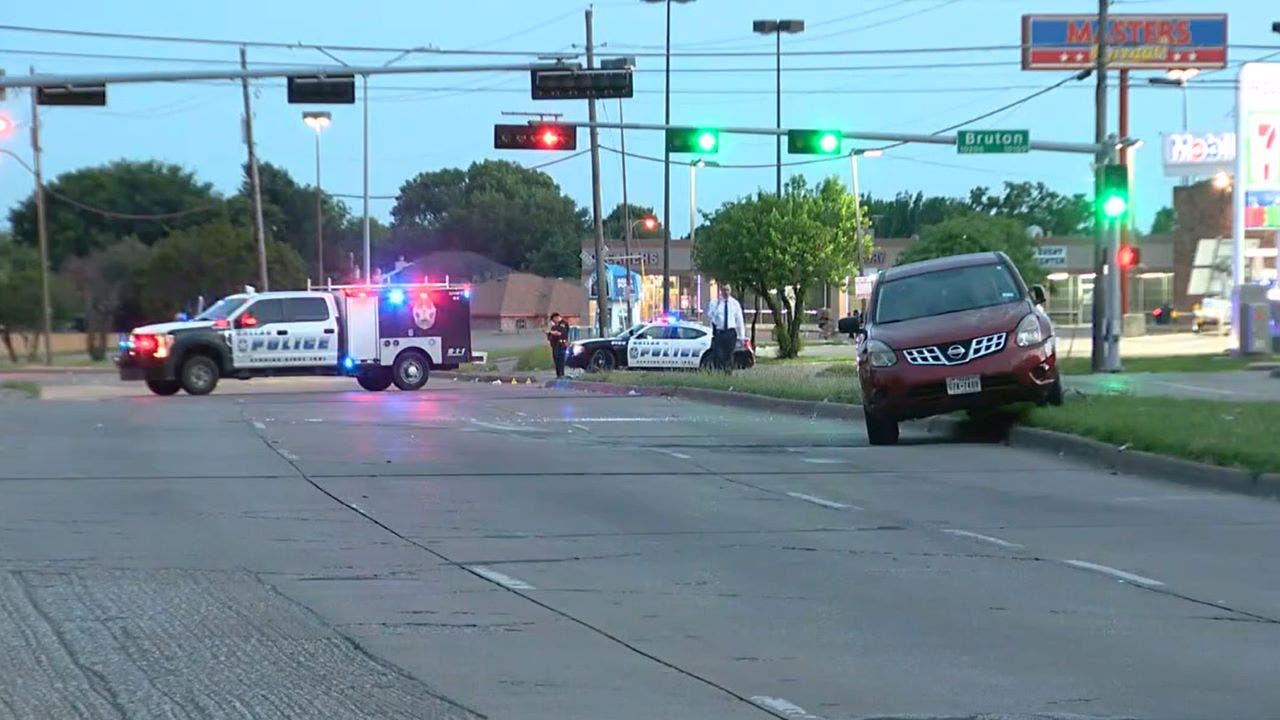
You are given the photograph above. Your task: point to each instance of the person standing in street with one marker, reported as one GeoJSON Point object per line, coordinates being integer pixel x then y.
{"type": "Point", "coordinates": [558, 338]}
{"type": "Point", "coordinates": [727, 325]}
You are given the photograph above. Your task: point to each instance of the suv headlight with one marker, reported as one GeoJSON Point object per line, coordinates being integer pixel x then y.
{"type": "Point", "coordinates": [578, 349]}
{"type": "Point", "coordinates": [880, 354]}
{"type": "Point", "coordinates": [1029, 332]}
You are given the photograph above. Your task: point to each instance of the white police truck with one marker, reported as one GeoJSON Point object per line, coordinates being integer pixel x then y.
{"type": "Point", "coordinates": [379, 334]}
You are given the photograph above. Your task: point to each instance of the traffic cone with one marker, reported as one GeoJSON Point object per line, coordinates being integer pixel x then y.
{"type": "Point", "coordinates": [513, 381]}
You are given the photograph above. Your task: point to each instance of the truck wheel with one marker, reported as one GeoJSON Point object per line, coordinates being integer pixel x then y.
{"type": "Point", "coordinates": [601, 361]}
{"type": "Point", "coordinates": [164, 387]}
{"type": "Point", "coordinates": [199, 375]}
{"type": "Point", "coordinates": [410, 371]}
{"type": "Point", "coordinates": [881, 430]}
{"type": "Point", "coordinates": [374, 380]}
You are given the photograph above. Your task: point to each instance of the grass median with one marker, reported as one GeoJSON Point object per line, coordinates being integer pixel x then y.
{"type": "Point", "coordinates": [1164, 364]}
{"type": "Point", "coordinates": [832, 384]}
{"type": "Point", "coordinates": [1230, 434]}
{"type": "Point", "coordinates": [24, 388]}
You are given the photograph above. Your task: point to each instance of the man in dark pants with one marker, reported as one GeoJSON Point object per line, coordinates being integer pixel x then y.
{"type": "Point", "coordinates": [727, 325]}
{"type": "Point", "coordinates": [558, 338]}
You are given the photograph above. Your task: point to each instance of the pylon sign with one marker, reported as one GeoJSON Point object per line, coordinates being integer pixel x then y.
{"type": "Point", "coordinates": [1258, 140]}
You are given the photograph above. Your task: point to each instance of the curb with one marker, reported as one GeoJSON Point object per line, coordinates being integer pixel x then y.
{"type": "Point", "coordinates": [746, 401]}
{"type": "Point", "coordinates": [43, 370]}
{"type": "Point", "coordinates": [1092, 452]}
{"type": "Point", "coordinates": [507, 379]}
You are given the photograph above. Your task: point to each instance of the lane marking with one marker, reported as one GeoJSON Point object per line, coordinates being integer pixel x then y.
{"type": "Point", "coordinates": [783, 706]}
{"type": "Point", "coordinates": [259, 425]}
{"type": "Point", "coordinates": [983, 538]}
{"type": "Point", "coordinates": [1197, 388]}
{"type": "Point", "coordinates": [618, 419]}
{"type": "Point", "coordinates": [822, 461]}
{"type": "Point", "coordinates": [582, 427]}
{"type": "Point", "coordinates": [1113, 572]}
{"type": "Point", "coordinates": [288, 455]}
{"type": "Point", "coordinates": [821, 501]}
{"type": "Point", "coordinates": [495, 426]}
{"type": "Point", "coordinates": [680, 455]}
{"type": "Point", "coordinates": [501, 578]}
{"type": "Point", "coordinates": [315, 420]}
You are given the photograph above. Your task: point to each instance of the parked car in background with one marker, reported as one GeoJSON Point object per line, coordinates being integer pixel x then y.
{"type": "Point", "coordinates": [1212, 311]}
{"type": "Point", "coordinates": [956, 333]}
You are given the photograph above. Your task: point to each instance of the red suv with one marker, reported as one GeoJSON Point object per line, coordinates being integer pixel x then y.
{"type": "Point", "coordinates": [954, 333]}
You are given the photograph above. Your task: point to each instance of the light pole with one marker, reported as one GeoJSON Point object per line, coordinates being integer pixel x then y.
{"type": "Point", "coordinates": [857, 198]}
{"type": "Point", "coordinates": [666, 168]}
{"type": "Point", "coordinates": [650, 223]}
{"type": "Point", "coordinates": [776, 28]}
{"type": "Point", "coordinates": [693, 211]}
{"type": "Point", "coordinates": [318, 121]}
{"type": "Point", "coordinates": [1179, 78]}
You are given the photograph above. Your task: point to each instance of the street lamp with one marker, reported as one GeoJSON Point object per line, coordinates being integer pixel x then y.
{"type": "Point", "coordinates": [666, 168]}
{"type": "Point", "coordinates": [1178, 78]}
{"type": "Point", "coordinates": [693, 212]}
{"type": "Point", "coordinates": [318, 121]}
{"type": "Point", "coordinates": [649, 223]}
{"type": "Point", "coordinates": [776, 28]}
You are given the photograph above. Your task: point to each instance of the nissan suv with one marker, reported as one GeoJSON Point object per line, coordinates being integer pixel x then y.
{"type": "Point", "coordinates": [954, 333]}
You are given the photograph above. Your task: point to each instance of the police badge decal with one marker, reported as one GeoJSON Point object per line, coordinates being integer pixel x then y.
{"type": "Point", "coordinates": [424, 312]}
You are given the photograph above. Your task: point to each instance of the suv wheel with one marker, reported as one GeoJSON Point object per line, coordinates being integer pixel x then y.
{"type": "Point", "coordinates": [881, 430]}
{"type": "Point", "coordinates": [374, 380]}
{"type": "Point", "coordinates": [164, 387]}
{"type": "Point", "coordinates": [199, 375]}
{"type": "Point", "coordinates": [410, 371]}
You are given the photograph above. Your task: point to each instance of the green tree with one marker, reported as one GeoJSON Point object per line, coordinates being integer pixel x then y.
{"type": "Point", "coordinates": [905, 214]}
{"type": "Point", "coordinates": [19, 297]}
{"type": "Point", "coordinates": [1166, 221]}
{"type": "Point", "coordinates": [1036, 204]}
{"type": "Point", "coordinates": [289, 215]}
{"type": "Point", "coordinates": [615, 226]}
{"type": "Point", "coordinates": [212, 260]}
{"type": "Point", "coordinates": [104, 285]}
{"type": "Point", "coordinates": [170, 196]}
{"type": "Point", "coordinates": [516, 216]}
{"type": "Point", "coordinates": [977, 233]}
{"type": "Point", "coordinates": [781, 247]}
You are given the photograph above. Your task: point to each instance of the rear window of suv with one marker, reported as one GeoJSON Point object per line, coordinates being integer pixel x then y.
{"type": "Point", "coordinates": [945, 291]}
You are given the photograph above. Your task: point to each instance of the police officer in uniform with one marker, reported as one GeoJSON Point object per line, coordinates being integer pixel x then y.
{"type": "Point", "coordinates": [727, 325]}
{"type": "Point", "coordinates": [558, 338]}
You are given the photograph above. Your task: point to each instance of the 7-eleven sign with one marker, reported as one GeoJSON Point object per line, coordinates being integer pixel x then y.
{"type": "Point", "coordinates": [1262, 151]}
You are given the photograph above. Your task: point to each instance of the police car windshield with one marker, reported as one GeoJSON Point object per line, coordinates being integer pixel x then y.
{"type": "Point", "coordinates": [945, 291]}
{"type": "Point", "coordinates": [222, 309]}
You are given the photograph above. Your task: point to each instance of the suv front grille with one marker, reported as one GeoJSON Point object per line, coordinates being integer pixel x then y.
{"type": "Point", "coordinates": [956, 353]}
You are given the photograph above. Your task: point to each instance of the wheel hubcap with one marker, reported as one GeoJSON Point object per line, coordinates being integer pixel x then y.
{"type": "Point", "coordinates": [411, 372]}
{"type": "Point", "coordinates": [201, 376]}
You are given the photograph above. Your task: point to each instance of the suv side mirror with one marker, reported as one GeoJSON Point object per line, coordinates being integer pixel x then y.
{"type": "Point", "coordinates": [246, 320]}
{"type": "Point", "coordinates": [1037, 294]}
{"type": "Point", "coordinates": [849, 326]}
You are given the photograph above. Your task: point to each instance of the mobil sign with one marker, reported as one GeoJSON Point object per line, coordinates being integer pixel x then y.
{"type": "Point", "coordinates": [1198, 154]}
{"type": "Point", "coordinates": [1134, 42]}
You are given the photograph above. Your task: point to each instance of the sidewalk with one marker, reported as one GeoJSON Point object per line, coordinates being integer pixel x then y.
{"type": "Point", "coordinates": [1233, 385]}
{"type": "Point", "coordinates": [1072, 342]}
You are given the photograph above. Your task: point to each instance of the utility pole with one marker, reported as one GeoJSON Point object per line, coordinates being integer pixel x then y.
{"type": "Point", "coordinates": [1097, 353]}
{"type": "Point", "coordinates": [626, 214]}
{"type": "Point", "coordinates": [365, 101]}
{"type": "Point", "coordinates": [666, 180]}
{"type": "Point", "coordinates": [259, 232]}
{"type": "Point", "coordinates": [602, 286]}
{"type": "Point", "coordinates": [42, 230]}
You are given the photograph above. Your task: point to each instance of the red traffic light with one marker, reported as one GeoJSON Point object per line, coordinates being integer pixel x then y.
{"type": "Point", "coordinates": [6, 125]}
{"type": "Point", "coordinates": [550, 137]}
{"type": "Point", "coordinates": [650, 223]}
{"type": "Point", "coordinates": [1128, 257]}
{"type": "Point", "coordinates": [535, 136]}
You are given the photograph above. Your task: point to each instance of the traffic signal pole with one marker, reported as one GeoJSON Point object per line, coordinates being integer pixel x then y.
{"type": "Point", "coordinates": [255, 187]}
{"type": "Point", "coordinates": [603, 288]}
{"type": "Point", "coordinates": [1098, 354]}
{"type": "Point", "coordinates": [42, 233]}
{"type": "Point", "coordinates": [1126, 234]}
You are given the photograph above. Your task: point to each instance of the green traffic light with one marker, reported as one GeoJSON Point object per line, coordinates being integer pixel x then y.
{"type": "Point", "coordinates": [693, 140]}
{"type": "Point", "coordinates": [1114, 206]}
{"type": "Point", "coordinates": [708, 140]}
{"type": "Point", "coordinates": [829, 143]}
{"type": "Point", "coordinates": [814, 142]}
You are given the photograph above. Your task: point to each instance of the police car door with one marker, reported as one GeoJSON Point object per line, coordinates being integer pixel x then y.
{"type": "Point", "coordinates": [645, 348]}
{"type": "Point", "coordinates": [692, 342]}
{"type": "Point", "coordinates": [254, 343]}
{"type": "Point", "coordinates": [311, 331]}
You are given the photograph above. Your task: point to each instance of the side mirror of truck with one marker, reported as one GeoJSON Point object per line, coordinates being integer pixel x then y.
{"type": "Point", "coordinates": [849, 326]}
{"type": "Point", "coordinates": [246, 321]}
{"type": "Point", "coordinates": [1037, 294]}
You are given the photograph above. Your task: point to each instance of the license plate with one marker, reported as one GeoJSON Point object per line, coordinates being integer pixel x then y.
{"type": "Point", "coordinates": [966, 385]}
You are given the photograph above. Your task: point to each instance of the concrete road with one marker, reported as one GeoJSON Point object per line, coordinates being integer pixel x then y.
{"type": "Point", "coordinates": [296, 549]}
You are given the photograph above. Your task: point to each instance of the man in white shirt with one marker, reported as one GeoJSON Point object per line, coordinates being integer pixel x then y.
{"type": "Point", "coordinates": [727, 325]}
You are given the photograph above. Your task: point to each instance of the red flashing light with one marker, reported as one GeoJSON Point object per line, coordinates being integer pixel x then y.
{"type": "Point", "coordinates": [6, 125]}
{"type": "Point", "coordinates": [145, 344]}
{"type": "Point", "coordinates": [221, 324]}
{"type": "Point", "coordinates": [550, 138]}
{"type": "Point", "coordinates": [1127, 257]}
{"type": "Point", "coordinates": [650, 223]}
{"type": "Point", "coordinates": [1157, 312]}
{"type": "Point", "coordinates": [247, 320]}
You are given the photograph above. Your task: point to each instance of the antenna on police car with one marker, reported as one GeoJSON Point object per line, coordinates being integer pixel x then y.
{"type": "Point", "coordinates": [249, 290]}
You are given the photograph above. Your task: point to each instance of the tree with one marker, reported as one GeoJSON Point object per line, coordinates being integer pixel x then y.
{"type": "Point", "coordinates": [116, 191]}
{"type": "Point", "coordinates": [615, 227]}
{"type": "Point", "coordinates": [516, 216]}
{"type": "Point", "coordinates": [212, 261]}
{"type": "Point", "coordinates": [977, 233]}
{"type": "Point", "coordinates": [103, 284]}
{"type": "Point", "coordinates": [1036, 204]}
{"type": "Point", "coordinates": [20, 294]}
{"type": "Point", "coordinates": [289, 215]}
{"type": "Point", "coordinates": [780, 247]}
{"type": "Point", "coordinates": [906, 214]}
{"type": "Point", "coordinates": [1166, 221]}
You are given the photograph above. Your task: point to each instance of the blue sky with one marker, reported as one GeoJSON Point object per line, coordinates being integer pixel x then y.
{"type": "Point", "coordinates": [425, 122]}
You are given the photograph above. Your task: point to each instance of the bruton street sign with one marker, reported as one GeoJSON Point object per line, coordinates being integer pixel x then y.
{"type": "Point", "coordinates": [970, 142]}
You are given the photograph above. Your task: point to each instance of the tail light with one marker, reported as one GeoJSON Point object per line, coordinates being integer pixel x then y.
{"type": "Point", "coordinates": [153, 345]}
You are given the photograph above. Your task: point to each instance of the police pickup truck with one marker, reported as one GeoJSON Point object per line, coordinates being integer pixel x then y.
{"type": "Point", "coordinates": [380, 334]}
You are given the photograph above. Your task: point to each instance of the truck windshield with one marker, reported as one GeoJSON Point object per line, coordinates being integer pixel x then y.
{"type": "Point", "coordinates": [945, 291]}
{"type": "Point", "coordinates": [222, 309]}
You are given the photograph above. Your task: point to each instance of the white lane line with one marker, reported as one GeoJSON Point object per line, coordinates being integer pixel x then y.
{"type": "Point", "coordinates": [983, 538]}
{"type": "Point", "coordinates": [821, 501]}
{"type": "Point", "coordinates": [783, 707]}
{"type": "Point", "coordinates": [289, 456]}
{"type": "Point", "coordinates": [680, 455]}
{"type": "Point", "coordinates": [502, 579]}
{"type": "Point", "coordinates": [1113, 572]}
{"type": "Point", "coordinates": [495, 426]}
{"type": "Point", "coordinates": [315, 420]}
{"type": "Point", "coordinates": [618, 419]}
{"type": "Point", "coordinates": [259, 425]}
{"type": "Point", "coordinates": [582, 427]}
{"type": "Point", "coordinates": [823, 461]}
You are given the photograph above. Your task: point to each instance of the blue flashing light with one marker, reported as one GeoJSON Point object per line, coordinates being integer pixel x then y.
{"type": "Point", "coordinates": [466, 293]}
{"type": "Point", "coordinates": [396, 296]}
{"type": "Point", "coordinates": [348, 363]}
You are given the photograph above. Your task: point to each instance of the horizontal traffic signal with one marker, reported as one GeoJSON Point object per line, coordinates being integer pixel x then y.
{"type": "Point", "coordinates": [6, 126]}
{"type": "Point", "coordinates": [1113, 192]}
{"type": "Point", "coordinates": [703, 141]}
{"type": "Point", "coordinates": [327, 90]}
{"type": "Point", "coordinates": [535, 136]}
{"type": "Point", "coordinates": [814, 142]}
{"type": "Point", "coordinates": [83, 95]}
{"type": "Point", "coordinates": [575, 84]}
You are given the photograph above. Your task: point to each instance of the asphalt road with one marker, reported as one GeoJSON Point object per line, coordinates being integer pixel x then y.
{"type": "Point", "coordinates": [301, 550]}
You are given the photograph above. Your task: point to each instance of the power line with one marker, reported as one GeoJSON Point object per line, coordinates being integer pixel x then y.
{"type": "Point", "coordinates": [724, 166]}
{"type": "Point", "coordinates": [881, 23]}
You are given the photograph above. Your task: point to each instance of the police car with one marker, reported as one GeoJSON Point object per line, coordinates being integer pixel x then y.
{"type": "Point", "coordinates": [662, 345]}
{"type": "Point", "coordinates": [380, 334]}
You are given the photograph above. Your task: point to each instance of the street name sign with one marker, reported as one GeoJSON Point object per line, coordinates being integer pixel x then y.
{"type": "Point", "coordinates": [971, 142]}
